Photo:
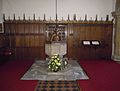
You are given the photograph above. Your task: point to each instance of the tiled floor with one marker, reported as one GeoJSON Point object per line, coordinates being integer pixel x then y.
{"type": "Point", "coordinates": [57, 86]}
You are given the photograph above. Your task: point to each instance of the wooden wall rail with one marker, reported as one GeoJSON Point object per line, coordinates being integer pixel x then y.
{"type": "Point", "coordinates": [27, 38]}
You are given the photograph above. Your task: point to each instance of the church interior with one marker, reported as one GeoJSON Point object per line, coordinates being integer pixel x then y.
{"type": "Point", "coordinates": [82, 31]}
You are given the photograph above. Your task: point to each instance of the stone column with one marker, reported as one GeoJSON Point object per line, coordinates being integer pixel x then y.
{"type": "Point", "coordinates": [116, 41]}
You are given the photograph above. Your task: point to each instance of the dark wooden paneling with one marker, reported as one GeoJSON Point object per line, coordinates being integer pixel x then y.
{"type": "Point", "coordinates": [99, 32]}
{"type": "Point", "coordinates": [27, 39]}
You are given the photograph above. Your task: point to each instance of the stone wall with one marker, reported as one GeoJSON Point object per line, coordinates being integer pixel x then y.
{"type": "Point", "coordinates": [116, 41]}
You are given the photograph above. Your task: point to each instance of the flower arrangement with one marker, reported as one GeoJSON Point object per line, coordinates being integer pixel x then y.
{"type": "Point", "coordinates": [56, 63]}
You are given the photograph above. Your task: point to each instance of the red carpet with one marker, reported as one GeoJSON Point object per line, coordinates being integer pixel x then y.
{"type": "Point", "coordinates": [10, 74]}
{"type": "Point", "coordinates": [104, 76]}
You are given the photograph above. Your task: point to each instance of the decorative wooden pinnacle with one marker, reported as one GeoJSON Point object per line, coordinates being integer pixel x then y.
{"type": "Point", "coordinates": [33, 16]}
{"type": "Point", "coordinates": [29, 17]}
{"type": "Point", "coordinates": [62, 19]}
{"type": "Point", "coordinates": [24, 16]}
{"type": "Point", "coordinates": [107, 17]}
{"type": "Point", "coordinates": [19, 17]}
{"type": "Point", "coordinates": [13, 16]}
{"type": "Point", "coordinates": [85, 17]}
{"type": "Point", "coordinates": [39, 19]}
{"type": "Point", "coordinates": [8, 17]}
{"type": "Point", "coordinates": [80, 19]}
{"type": "Point", "coordinates": [74, 17]}
{"type": "Point", "coordinates": [44, 18]}
{"type": "Point", "coordinates": [4, 17]}
{"type": "Point", "coordinates": [101, 19]}
{"type": "Point", "coordinates": [68, 17]}
{"type": "Point", "coordinates": [96, 19]}
{"type": "Point", "coordinates": [50, 19]}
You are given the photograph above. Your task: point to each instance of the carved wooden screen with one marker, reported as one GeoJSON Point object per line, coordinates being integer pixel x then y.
{"type": "Point", "coordinates": [61, 30]}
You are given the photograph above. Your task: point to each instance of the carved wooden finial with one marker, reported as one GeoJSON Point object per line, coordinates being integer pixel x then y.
{"type": "Point", "coordinates": [91, 19]}
{"type": "Point", "coordinates": [62, 19]}
{"type": "Point", "coordinates": [107, 17]}
{"type": "Point", "coordinates": [33, 16]}
{"type": "Point", "coordinates": [4, 17]}
{"type": "Point", "coordinates": [39, 19]}
{"type": "Point", "coordinates": [24, 16]}
{"type": "Point", "coordinates": [8, 17]}
{"type": "Point", "coordinates": [29, 18]}
{"type": "Point", "coordinates": [56, 18]}
{"type": "Point", "coordinates": [50, 19]}
{"type": "Point", "coordinates": [74, 17]}
{"type": "Point", "coordinates": [96, 19]}
{"type": "Point", "coordinates": [68, 17]}
{"type": "Point", "coordinates": [13, 16]}
{"type": "Point", "coordinates": [85, 17]}
{"type": "Point", "coordinates": [80, 19]}
{"type": "Point", "coordinates": [19, 18]}
{"type": "Point", "coordinates": [101, 19]}
{"type": "Point", "coordinates": [44, 18]}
